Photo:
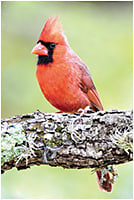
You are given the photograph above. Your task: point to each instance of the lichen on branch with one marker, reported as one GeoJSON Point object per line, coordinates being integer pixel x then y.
{"type": "Point", "coordinates": [88, 140]}
{"type": "Point", "coordinates": [16, 135]}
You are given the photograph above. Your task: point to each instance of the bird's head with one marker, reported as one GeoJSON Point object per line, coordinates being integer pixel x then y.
{"type": "Point", "coordinates": [50, 38]}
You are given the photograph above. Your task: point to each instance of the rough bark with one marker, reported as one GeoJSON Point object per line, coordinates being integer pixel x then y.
{"type": "Point", "coordinates": [88, 140]}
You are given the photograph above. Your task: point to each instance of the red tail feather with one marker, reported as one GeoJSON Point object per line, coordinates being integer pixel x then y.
{"type": "Point", "coordinates": [106, 184]}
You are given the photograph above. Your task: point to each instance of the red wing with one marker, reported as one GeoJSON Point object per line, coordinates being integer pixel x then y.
{"type": "Point", "coordinates": [87, 86]}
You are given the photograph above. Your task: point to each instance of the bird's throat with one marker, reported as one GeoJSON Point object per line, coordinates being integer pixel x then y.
{"type": "Point", "coordinates": [44, 60]}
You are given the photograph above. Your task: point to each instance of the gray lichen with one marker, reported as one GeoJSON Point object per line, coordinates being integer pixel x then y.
{"type": "Point", "coordinates": [12, 137]}
{"type": "Point", "coordinates": [123, 140]}
{"type": "Point", "coordinates": [68, 140]}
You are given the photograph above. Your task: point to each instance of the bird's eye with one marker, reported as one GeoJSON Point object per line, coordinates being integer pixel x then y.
{"type": "Point", "coordinates": [52, 45]}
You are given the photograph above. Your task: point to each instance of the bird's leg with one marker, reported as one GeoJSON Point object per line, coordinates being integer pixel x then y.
{"type": "Point", "coordinates": [82, 112]}
{"type": "Point", "coordinates": [75, 127]}
{"type": "Point", "coordinates": [87, 109]}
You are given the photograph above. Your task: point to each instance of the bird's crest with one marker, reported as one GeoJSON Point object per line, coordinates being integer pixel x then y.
{"type": "Point", "coordinates": [53, 32]}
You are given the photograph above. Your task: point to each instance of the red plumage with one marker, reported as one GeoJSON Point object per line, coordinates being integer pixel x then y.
{"type": "Point", "coordinates": [53, 31]}
{"type": "Point", "coordinates": [63, 78]}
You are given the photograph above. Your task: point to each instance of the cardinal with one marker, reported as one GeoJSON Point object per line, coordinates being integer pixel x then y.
{"type": "Point", "coordinates": [64, 79]}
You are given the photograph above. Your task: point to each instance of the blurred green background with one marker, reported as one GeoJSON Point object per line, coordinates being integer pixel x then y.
{"type": "Point", "coordinates": [101, 34]}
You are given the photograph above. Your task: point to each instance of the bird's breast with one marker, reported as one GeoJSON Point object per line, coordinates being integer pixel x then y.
{"type": "Point", "coordinates": [60, 86]}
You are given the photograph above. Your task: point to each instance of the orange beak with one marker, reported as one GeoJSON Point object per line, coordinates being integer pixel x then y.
{"type": "Point", "coordinates": [40, 49]}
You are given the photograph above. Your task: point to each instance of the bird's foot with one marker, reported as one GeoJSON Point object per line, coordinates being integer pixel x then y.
{"type": "Point", "coordinates": [75, 127]}
{"type": "Point", "coordinates": [82, 112]}
{"type": "Point", "coordinates": [87, 109]}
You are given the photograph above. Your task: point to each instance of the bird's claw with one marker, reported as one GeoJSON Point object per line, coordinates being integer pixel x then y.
{"type": "Point", "coordinates": [85, 110]}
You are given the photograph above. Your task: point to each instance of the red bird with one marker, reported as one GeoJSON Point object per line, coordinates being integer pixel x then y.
{"type": "Point", "coordinates": [63, 78]}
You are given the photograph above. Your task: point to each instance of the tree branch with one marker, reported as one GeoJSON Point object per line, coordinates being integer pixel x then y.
{"type": "Point", "coordinates": [88, 140]}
